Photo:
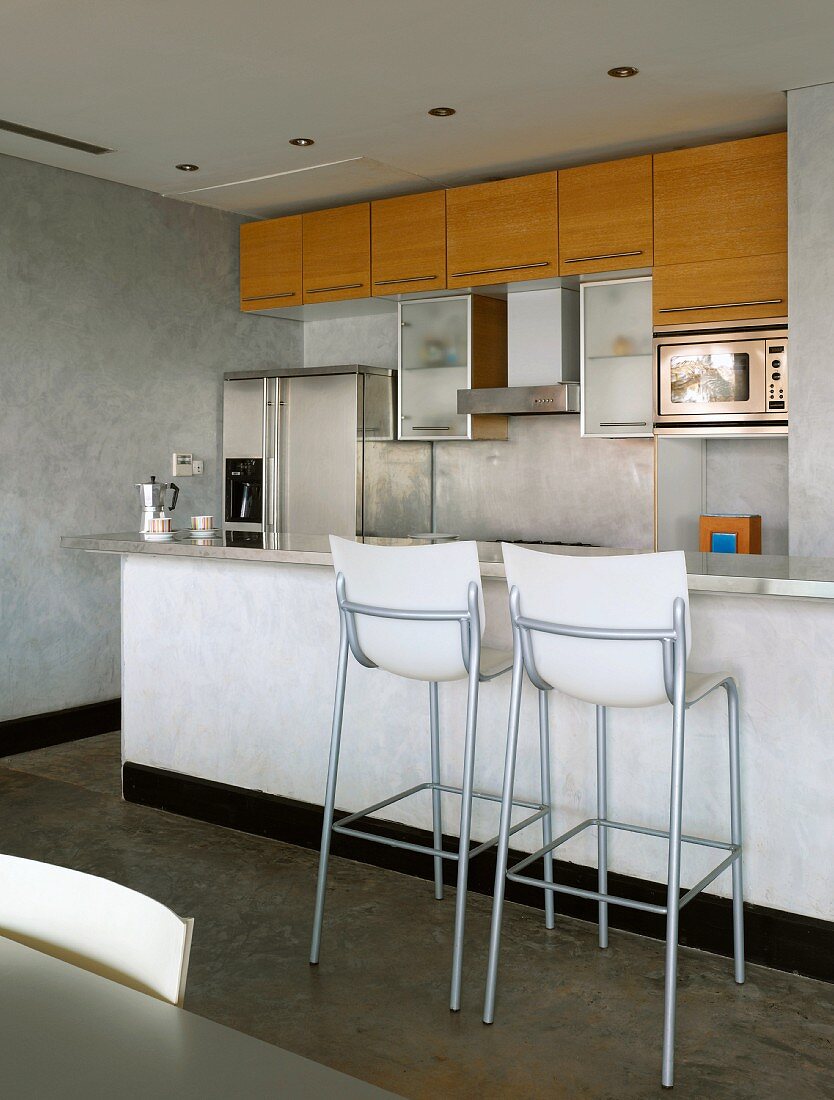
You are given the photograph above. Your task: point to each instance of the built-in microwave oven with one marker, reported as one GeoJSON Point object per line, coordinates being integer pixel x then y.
{"type": "Point", "coordinates": [721, 382]}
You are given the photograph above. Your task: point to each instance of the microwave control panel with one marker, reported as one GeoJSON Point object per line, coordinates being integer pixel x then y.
{"type": "Point", "coordinates": [776, 379]}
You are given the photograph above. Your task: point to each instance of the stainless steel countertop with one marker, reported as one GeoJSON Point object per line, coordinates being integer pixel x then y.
{"type": "Point", "coordinates": [800, 578]}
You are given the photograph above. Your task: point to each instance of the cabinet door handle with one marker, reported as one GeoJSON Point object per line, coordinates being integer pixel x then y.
{"type": "Point", "coordinates": [327, 289]}
{"type": "Point", "coordinates": [604, 256]}
{"type": "Point", "coordinates": [490, 270]}
{"type": "Point", "coordinates": [431, 428]}
{"type": "Point", "coordinates": [266, 297]}
{"type": "Point", "coordinates": [623, 424]}
{"type": "Point", "coordinates": [410, 279]}
{"type": "Point", "coordinates": [723, 305]}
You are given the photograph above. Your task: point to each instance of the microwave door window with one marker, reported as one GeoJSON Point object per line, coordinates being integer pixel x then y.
{"type": "Point", "coordinates": [717, 378]}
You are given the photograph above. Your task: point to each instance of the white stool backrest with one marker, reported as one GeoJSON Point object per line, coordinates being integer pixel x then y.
{"type": "Point", "coordinates": [410, 578]}
{"type": "Point", "coordinates": [96, 924]}
{"type": "Point", "coordinates": [623, 592]}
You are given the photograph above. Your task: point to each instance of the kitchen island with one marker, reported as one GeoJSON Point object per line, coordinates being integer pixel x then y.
{"type": "Point", "coordinates": [228, 667]}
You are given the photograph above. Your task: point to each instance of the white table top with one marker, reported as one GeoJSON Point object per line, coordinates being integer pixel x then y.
{"type": "Point", "coordinates": [67, 1033]}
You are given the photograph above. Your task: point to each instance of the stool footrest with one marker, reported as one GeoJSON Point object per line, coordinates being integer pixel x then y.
{"type": "Point", "coordinates": [514, 875]}
{"type": "Point", "coordinates": [345, 824]}
{"type": "Point", "coordinates": [664, 833]}
{"type": "Point", "coordinates": [707, 879]}
{"type": "Point", "coordinates": [591, 895]}
{"type": "Point", "coordinates": [393, 843]}
{"type": "Point", "coordinates": [542, 812]}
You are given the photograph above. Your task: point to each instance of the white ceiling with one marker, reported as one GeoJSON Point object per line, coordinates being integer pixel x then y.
{"type": "Point", "coordinates": [225, 85]}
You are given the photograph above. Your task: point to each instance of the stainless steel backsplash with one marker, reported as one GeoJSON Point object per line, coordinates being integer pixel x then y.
{"type": "Point", "coordinates": [546, 482]}
{"type": "Point", "coordinates": [397, 489]}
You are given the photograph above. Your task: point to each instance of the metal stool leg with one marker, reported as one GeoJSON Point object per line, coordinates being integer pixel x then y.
{"type": "Point", "coordinates": [503, 835]}
{"type": "Point", "coordinates": [436, 812]}
{"type": "Point", "coordinates": [330, 795]}
{"type": "Point", "coordinates": [735, 826]}
{"type": "Point", "coordinates": [602, 812]}
{"type": "Point", "coordinates": [673, 889]}
{"type": "Point", "coordinates": [547, 800]}
{"type": "Point", "coordinates": [465, 828]}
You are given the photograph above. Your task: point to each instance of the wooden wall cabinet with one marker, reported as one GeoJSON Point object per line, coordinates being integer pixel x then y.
{"type": "Point", "coordinates": [721, 232]}
{"type": "Point", "coordinates": [739, 289]}
{"type": "Point", "coordinates": [408, 243]}
{"type": "Point", "coordinates": [489, 362]}
{"type": "Point", "coordinates": [270, 263]}
{"type": "Point", "coordinates": [502, 232]}
{"type": "Point", "coordinates": [605, 216]}
{"type": "Point", "coordinates": [710, 221]}
{"type": "Point", "coordinates": [721, 201]}
{"type": "Point", "coordinates": [337, 253]}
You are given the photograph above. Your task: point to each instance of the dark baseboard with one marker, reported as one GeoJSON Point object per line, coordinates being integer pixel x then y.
{"type": "Point", "coordinates": [39, 731]}
{"type": "Point", "coordinates": [783, 941]}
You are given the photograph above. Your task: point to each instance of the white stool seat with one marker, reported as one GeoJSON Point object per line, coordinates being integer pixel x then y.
{"type": "Point", "coordinates": [699, 684]}
{"type": "Point", "coordinates": [495, 661]}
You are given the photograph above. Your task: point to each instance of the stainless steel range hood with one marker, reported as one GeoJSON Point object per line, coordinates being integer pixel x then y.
{"type": "Point", "coordinates": [521, 400]}
{"type": "Point", "coordinates": [543, 357]}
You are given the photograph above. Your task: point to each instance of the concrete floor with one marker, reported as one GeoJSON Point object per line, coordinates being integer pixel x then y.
{"type": "Point", "coordinates": [572, 1022]}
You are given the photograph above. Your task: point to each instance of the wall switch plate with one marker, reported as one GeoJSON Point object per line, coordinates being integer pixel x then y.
{"type": "Point", "coordinates": [181, 465]}
{"type": "Point", "coordinates": [197, 466]}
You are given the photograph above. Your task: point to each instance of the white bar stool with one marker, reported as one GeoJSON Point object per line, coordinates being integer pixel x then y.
{"type": "Point", "coordinates": [614, 631]}
{"type": "Point", "coordinates": [417, 612]}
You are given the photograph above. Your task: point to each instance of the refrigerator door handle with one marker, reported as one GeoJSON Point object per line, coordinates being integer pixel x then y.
{"type": "Point", "coordinates": [265, 475]}
{"type": "Point", "coordinates": [270, 466]}
{"type": "Point", "coordinates": [278, 397]}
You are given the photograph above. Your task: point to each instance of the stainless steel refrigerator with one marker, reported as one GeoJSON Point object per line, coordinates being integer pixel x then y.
{"type": "Point", "coordinates": [313, 451]}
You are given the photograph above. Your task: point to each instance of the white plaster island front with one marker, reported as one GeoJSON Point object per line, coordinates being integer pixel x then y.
{"type": "Point", "coordinates": [228, 668]}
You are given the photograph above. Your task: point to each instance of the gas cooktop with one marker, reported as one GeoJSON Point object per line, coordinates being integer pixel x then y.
{"type": "Point", "coordinates": [546, 542]}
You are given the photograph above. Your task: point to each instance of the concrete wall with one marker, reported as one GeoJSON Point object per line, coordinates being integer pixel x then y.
{"type": "Point", "coordinates": [810, 286]}
{"type": "Point", "coordinates": [545, 482]}
{"type": "Point", "coordinates": [371, 340]}
{"type": "Point", "coordinates": [118, 316]}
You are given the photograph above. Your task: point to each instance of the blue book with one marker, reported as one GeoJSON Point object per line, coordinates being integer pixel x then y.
{"type": "Point", "coordinates": [724, 542]}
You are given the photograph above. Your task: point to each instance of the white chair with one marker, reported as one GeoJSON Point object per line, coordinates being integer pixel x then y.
{"type": "Point", "coordinates": [614, 631]}
{"type": "Point", "coordinates": [416, 612]}
{"type": "Point", "coordinates": [95, 924]}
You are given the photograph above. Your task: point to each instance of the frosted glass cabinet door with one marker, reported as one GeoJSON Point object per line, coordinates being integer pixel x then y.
{"type": "Point", "coordinates": [617, 357]}
{"type": "Point", "coordinates": [434, 365]}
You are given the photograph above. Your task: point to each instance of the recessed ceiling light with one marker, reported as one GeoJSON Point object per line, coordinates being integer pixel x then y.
{"type": "Point", "coordinates": [302, 141]}
{"type": "Point", "coordinates": [188, 167]}
{"type": "Point", "coordinates": [442, 112]}
{"type": "Point", "coordinates": [623, 71]}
